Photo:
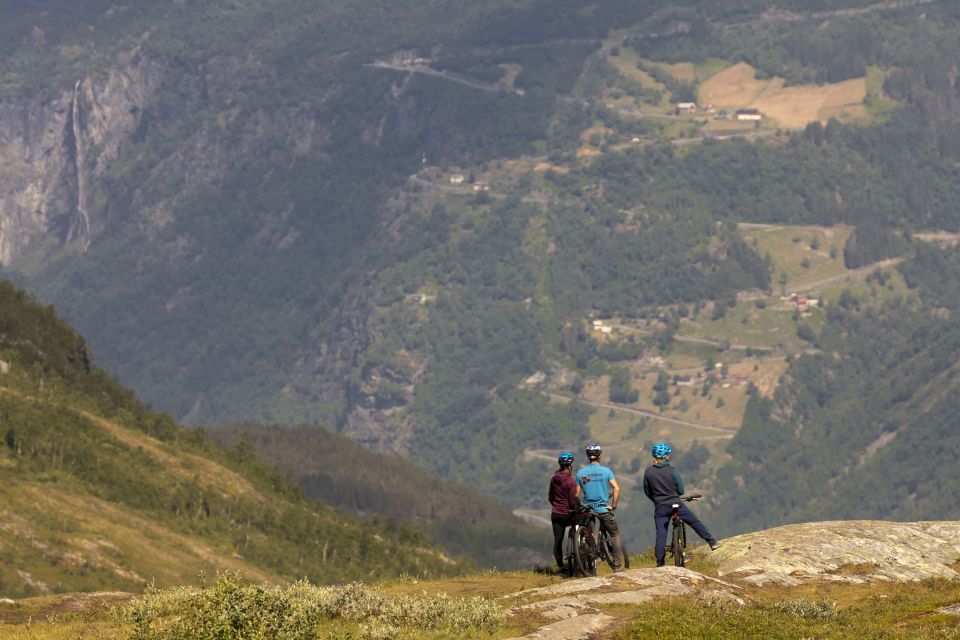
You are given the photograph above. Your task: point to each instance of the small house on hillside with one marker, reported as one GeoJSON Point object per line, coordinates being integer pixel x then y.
{"type": "Point", "coordinates": [749, 114]}
{"type": "Point", "coordinates": [457, 178]}
{"type": "Point", "coordinates": [687, 107]}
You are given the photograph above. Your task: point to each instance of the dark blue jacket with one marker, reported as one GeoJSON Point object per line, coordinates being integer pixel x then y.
{"type": "Point", "coordinates": [662, 483]}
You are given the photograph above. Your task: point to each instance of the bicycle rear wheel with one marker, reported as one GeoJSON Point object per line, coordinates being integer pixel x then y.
{"type": "Point", "coordinates": [585, 552]}
{"type": "Point", "coordinates": [679, 542]}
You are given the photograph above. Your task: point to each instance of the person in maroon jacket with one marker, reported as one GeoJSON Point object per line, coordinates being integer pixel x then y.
{"type": "Point", "coordinates": [563, 503]}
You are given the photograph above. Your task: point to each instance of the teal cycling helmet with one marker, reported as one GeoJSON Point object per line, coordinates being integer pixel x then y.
{"type": "Point", "coordinates": [565, 459]}
{"type": "Point", "coordinates": [661, 449]}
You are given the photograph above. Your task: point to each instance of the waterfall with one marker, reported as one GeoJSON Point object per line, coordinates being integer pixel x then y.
{"type": "Point", "coordinates": [80, 227]}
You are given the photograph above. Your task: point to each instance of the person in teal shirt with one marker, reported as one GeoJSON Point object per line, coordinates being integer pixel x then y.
{"type": "Point", "coordinates": [597, 489]}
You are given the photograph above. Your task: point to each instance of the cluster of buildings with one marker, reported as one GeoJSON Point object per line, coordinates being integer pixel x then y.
{"type": "Point", "coordinates": [691, 107]}
{"type": "Point", "coordinates": [602, 327]}
{"type": "Point", "coordinates": [802, 301]}
{"type": "Point", "coordinates": [459, 178]}
{"type": "Point", "coordinates": [719, 376]}
{"type": "Point", "coordinates": [747, 114]}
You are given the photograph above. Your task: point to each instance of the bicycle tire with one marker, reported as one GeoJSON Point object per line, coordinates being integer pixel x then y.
{"type": "Point", "coordinates": [678, 544]}
{"type": "Point", "coordinates": [569, 554]}
{"type": "Point", "coordinates": [585, 552]}
{"type": "Point", "coordinates": [606, 548]}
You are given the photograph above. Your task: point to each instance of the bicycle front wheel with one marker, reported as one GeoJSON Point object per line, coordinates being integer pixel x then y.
{"type": "Point", "coordinates": [585, 552]}
{"type": "Point", "coordinates": [569, 553]}
{"type": "Point", "coordinates": [606, 548]}
{"type": "Point", "coordinates": [678, 544]}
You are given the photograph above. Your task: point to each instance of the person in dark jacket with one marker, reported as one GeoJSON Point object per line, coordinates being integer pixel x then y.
{"type": "Point", "coordinates": [664, 486]}
{"type": "Point", "coordinates": [563, 503]}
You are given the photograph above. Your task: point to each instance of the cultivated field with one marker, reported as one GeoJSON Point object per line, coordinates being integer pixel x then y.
{"type": "Point", "coordinates": [790, 107]}
{"type": "Point", "coordinates": [803, 253]}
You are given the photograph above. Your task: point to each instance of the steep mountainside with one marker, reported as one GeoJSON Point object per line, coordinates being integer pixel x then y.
{"type": "Point", "coordinates": [101, 493]}
{"type": "Point", "coordinates": [410, 222]}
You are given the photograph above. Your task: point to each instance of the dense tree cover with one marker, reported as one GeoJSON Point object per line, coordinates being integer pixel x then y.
{"type": "Point", "coordinates": [343, 473]}
{"type": "Point", "coordinates": [824, 49]}
{"type": "Point", "coordinates": [866, 429]}
{"type": "Point", "coordinates": [51, 401]}
{"type": "Point", "coordinates": [621, 390]}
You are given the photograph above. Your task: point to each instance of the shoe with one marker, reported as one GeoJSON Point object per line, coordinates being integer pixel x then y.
{"type": "Point", "coordinates": [714, 545]}
{"type": "Point", "coordinates": [660, 564]}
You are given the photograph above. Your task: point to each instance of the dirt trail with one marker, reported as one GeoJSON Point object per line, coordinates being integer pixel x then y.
{"type": "Point", "coordinates": [491, 87]}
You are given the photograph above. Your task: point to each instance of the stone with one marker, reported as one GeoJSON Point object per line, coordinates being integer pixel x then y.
{"type": "Point", "coordinates": [952, 610]}
{"type": "Point", "coordinates": [579, 628]}
{"type": "Point", "coordinates": [568, 586]}
{"type": "Point", "coordinates": [4, 367]}
{"type": "Point", "coordinates": [859, 551]}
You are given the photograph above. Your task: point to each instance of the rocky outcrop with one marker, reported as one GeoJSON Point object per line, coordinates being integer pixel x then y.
{"type": "Point", "coordinates": [56, 150]}
{"type": "Point", "coordinates": [574, 604]}
{"type": "Point", "coordinates": [857, 551]}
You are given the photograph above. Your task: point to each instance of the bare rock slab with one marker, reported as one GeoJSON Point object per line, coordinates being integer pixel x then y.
{"type": "Point", "coordinates": [856, 551]}
{"type": "Point", "coordinates": [579, 628]}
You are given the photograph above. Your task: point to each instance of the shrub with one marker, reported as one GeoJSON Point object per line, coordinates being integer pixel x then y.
{"type": "Point", "coordinates": [823, 610]}
{"type": "Point", "coordinates": [235, 608]}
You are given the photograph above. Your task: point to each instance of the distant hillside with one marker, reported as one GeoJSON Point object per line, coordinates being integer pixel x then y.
{"type": "Point", "coordinates": [100, 493]}
{"type": "Point", "coordinates": [340, 472]}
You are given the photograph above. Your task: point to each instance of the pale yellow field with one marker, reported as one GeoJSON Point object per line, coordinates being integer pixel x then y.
{"type": "Point", "coordinates": [791, 107]}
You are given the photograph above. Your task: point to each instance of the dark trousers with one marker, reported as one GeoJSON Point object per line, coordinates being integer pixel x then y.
{"type": "Point", "coordinates": [609, 524]}
{"type": "Point", "coordinates": [661, 518]}
{"type": "Point", "coordinates": [560, 524]}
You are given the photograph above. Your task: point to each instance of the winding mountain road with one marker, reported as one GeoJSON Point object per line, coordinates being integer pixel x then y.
{"type": "Point", "coordinates": [728, 431]}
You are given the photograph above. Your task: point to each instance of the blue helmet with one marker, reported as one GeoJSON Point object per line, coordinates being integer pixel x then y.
{"type": "Point", "coordinates": [661, 449]}
{"type": "Point", "coordinates": [565, 459]}
{"type": "Point", "coordinates": [594, 450]}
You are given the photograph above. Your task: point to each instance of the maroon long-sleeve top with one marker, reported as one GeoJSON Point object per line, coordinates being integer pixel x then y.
{"type": "Point", "coordinates": [563, 493]}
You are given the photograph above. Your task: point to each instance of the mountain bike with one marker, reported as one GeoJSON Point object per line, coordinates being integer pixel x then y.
{"type": "Point", "coordinates": [679, 538]}
{"type": "Point", "coordinates": [591, 542]}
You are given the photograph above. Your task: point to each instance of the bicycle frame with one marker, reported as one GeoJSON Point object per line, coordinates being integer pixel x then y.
{"type": "Point", "coordinates": [679, 531]}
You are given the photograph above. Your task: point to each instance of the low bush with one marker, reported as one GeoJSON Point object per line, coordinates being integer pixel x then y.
{"type": "Point", "coordinates": [823, 610]}
{"type": "Point", "coordinates": [233, 608]}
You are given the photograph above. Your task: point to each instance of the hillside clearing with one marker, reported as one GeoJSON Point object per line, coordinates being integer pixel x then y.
{"type": "Point", "coordinates": [790, 107]}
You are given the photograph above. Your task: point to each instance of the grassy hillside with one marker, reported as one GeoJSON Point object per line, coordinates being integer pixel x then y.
{"type": "Point", "coordinates": [343, 473]}
{"type": "Point", "coordinates": [100, 493]}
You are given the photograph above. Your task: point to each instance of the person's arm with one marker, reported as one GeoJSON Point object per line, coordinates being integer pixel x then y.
{"type": "Point", "coordinates": [616, 493]}
{"type": "Point", "coordinates": [679, 481]}
{"type": "Point", "coordinates": [646, 487]}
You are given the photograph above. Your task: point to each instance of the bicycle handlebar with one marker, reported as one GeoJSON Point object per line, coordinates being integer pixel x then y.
{"type": "Point", "coordinates": [691, 498]}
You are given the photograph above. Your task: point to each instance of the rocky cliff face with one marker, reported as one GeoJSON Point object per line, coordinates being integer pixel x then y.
{"type": "Point", "coordinates": [56, 152]}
